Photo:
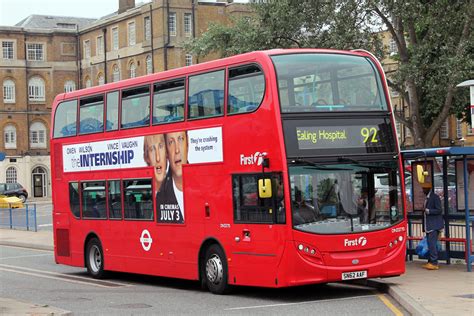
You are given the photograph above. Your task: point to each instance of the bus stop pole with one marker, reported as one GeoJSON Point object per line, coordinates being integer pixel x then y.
{"type": "Point", "coordinates": [468, 217]}
{"type": "Point", "coordinates": [446, 209]}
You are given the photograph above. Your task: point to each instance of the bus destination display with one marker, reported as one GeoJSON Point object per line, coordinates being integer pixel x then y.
{"type": "Point", "coordinates": [314, 137]}
{"type": "Point", "coordinates": [338, 136]}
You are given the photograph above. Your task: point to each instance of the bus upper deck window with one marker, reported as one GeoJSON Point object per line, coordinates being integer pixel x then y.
{"type": "Point", "coordinates": [246, 89]}
{"type": "Point", "coordinates": [136, 107]}
{"type": "Point", "coordinates": [91, 115]}
{"type": "Point", "coordinates": [206, 95]}
{"type": "Point", "coordinates": [112, 111]}
{"type": "Point", "coordinates": [65, 119]}
{"type": "Point", "coordinates": [168, 101]}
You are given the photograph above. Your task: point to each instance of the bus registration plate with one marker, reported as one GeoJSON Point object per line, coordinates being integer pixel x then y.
{"type": "Point", "coordinates": [354, 275]}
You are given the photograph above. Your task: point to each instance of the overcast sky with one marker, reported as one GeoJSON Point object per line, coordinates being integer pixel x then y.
{"type": "Point", "coordinates": [13, 11]}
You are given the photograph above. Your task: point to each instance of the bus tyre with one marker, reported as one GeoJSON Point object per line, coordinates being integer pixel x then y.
{"type": "Point", "coordinates": [215, 270]}
{"type": "Point", "coordinates": [95, 259]}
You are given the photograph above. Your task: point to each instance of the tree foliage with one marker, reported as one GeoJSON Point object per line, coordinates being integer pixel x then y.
{"type": "Point", "coordinates": [434, 40]}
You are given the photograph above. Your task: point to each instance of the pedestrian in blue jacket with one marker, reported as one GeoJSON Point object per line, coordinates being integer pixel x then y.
{"type": "Point", "coordinates": [433, 223]}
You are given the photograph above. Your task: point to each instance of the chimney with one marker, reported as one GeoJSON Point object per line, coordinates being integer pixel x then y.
{"type": "Point", "coordinates": [124, 5]}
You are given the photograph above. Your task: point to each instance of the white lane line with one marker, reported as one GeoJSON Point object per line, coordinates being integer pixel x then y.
{"type": "Point", "coordinates": [61, 276]}
{"type": "Point", "coordinates": [298, 303]}
{"type": "Point", "coordinates": [27, 256]}
{"type": "Point", "coordinates": [45, 225]}
{"type": "Point", "coordinates": [51, 277]}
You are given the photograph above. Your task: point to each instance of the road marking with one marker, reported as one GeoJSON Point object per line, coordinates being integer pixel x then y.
{"type": "Point", "coordinates": [26, 256]}
{"type": "Point", "coordinates": [389, 304]}
{"type": "Point", "coordinates": [45, 225]}
{"type": "Point", "coordinates": [61, 276]}
{"type": "Point", "coordinates": [298, 303]}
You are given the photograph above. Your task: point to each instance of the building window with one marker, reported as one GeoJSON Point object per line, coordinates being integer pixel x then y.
{"type": "Point", "coordinates": [88, 82]}
{"type": "Point", "coordinates": [11, 176]}
{"type": "Point", "coordinates": [149, 66]}
{"type": "Point", "coordinates": [9, 136]}
{"type": "Point", "coordinates": [100, 79]}
{"type": "Point", "coordinates": [444, 130]}
{"type": "Point", "coordinates": [35, 51]}
{"type": "Point", "coordinates": [115, 73]}
{"type": "Point", "coordinates": [69, 86]}
{"type": "Point", "coordinates": [133, 70]}
{"type": "Point", "coordinates": [392, 47]}
{"type": "Point", "coordinates": [36, 89]}
{"type": "Point", "coordinates": [115, 38]}
{"type": "Point", "coordinates": [87, 49]}
{"type": "Point", "coordinates": [100, 46]}
{"type": "Point", "coordinates": [188, 26]}
{"type": "Point", "coordinates": [147, 23]}
{"type": "Point", "coordinates": [458, 128]}
{"type": "Point", "coordinates": [131, 34]}
{"type": "Point", "coordinates": [189, 60]}
{"type": "Point", "coordinates": [38, 135]}
{"type": "Point", "coordinates": [172, 23]}
{"type": "Point", "coordinates": [7, 47]}
{"type": "Point", "coordinates": [8, 91]}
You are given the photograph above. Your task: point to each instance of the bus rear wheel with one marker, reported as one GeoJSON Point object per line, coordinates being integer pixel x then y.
{"type": "Point", "coordinates": [215, 270]}
{"type": "Point", "coordinates": [95, 258]}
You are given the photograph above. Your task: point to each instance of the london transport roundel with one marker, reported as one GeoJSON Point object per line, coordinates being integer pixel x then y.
{"type": "Point", "coordinates": [146, 240]}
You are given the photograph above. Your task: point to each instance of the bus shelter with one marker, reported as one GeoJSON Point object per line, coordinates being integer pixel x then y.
{"type": "Point", "coordinates": [451, 170]}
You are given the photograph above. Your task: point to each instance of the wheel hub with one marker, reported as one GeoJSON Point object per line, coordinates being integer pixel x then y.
{"type": "Point", "coordinates": [95, 258]}
{"type": "Point", "coordinates": [214, 269]}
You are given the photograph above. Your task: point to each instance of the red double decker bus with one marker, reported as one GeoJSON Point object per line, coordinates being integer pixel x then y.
{"type": "Point", "coordinates": [274, 168]}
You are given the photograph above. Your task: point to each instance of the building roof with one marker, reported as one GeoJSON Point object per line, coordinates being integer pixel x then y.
{"type": "Point", "coordinates": [36, 21]}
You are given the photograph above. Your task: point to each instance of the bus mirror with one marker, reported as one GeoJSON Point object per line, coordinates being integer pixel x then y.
{"type": "Point", "coordinates": [264, 188]}
{"type": "Point", "coordinates": [421, 173]}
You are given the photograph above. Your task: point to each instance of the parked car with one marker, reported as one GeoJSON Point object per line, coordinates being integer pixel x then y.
{"type": "Point", "coordinates": [14, 189]}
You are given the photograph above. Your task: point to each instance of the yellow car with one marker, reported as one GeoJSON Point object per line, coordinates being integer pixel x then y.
{"type": "Point", "coordinates": [14, 202]}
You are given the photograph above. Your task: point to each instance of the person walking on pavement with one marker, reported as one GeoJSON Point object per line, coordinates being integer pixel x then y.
{"type": "Point", "coordinates": [433, 223]}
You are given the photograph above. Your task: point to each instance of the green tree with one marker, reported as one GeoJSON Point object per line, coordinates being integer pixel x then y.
{"type": "Point", "coordinates": [434, 40]}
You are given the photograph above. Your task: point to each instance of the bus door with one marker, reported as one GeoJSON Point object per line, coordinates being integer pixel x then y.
{"type": "Point", "coordinates": [257, 237]}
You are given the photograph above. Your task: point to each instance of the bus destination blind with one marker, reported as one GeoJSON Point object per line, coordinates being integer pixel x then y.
{"type": "Point", "coordinates": [330, 137]}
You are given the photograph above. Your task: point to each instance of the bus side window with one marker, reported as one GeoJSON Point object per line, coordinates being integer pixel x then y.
{"type": "Point", "coordinates": [93, 200]}
{"type": "Point", "coordinates": [112, 111]}
{"type": "Point", "coordinates": [91, 115]}
{"type": "Point", "coordinates": [206, 95]}
{"type": "Point", "coordinates": [138, 202]}
{"type": "Point", "coordinates": [248, 207]}
{"type": "Point", "coordinates": [65, 119]}
{"type": "Point", "coordinates": [115, 200]}
{"type": "Point", "coordinates": [135, 107]}
{"type": "Point", "coordinates": [74, 203]}
{"type": "Point", "coordinates": [246, 89]}
{"type": "Point", "coordinates": [168, 101]}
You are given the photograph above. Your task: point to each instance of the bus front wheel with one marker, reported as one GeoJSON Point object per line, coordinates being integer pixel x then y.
{"type": "Point", "coordinates": [215, 270]}
{"type": "Point", "coordinates": [95, 258]}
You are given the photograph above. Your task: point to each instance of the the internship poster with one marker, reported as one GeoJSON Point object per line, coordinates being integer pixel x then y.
{"type": "Point", "coordinates": [166, 153]}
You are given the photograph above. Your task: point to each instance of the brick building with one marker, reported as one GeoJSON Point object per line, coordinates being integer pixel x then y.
{"type": "Point", "coordinates": [42, 56]}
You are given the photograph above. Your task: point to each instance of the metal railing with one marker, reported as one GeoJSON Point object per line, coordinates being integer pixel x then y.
{"type": "Point", "coordinates": [19, 218]}
{"type": "Point", "coordinates": [453, 240]}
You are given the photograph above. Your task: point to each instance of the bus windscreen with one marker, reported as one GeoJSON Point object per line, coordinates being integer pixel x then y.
{"type": "Point", "coordinates": [328, 82]}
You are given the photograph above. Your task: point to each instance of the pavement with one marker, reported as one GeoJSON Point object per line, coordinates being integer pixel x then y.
{"type": "Point", "coordinates": [447, 291]}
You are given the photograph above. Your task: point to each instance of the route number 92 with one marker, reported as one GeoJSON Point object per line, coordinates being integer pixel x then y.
{"type": "Point", "coordinates": [369, 134]}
